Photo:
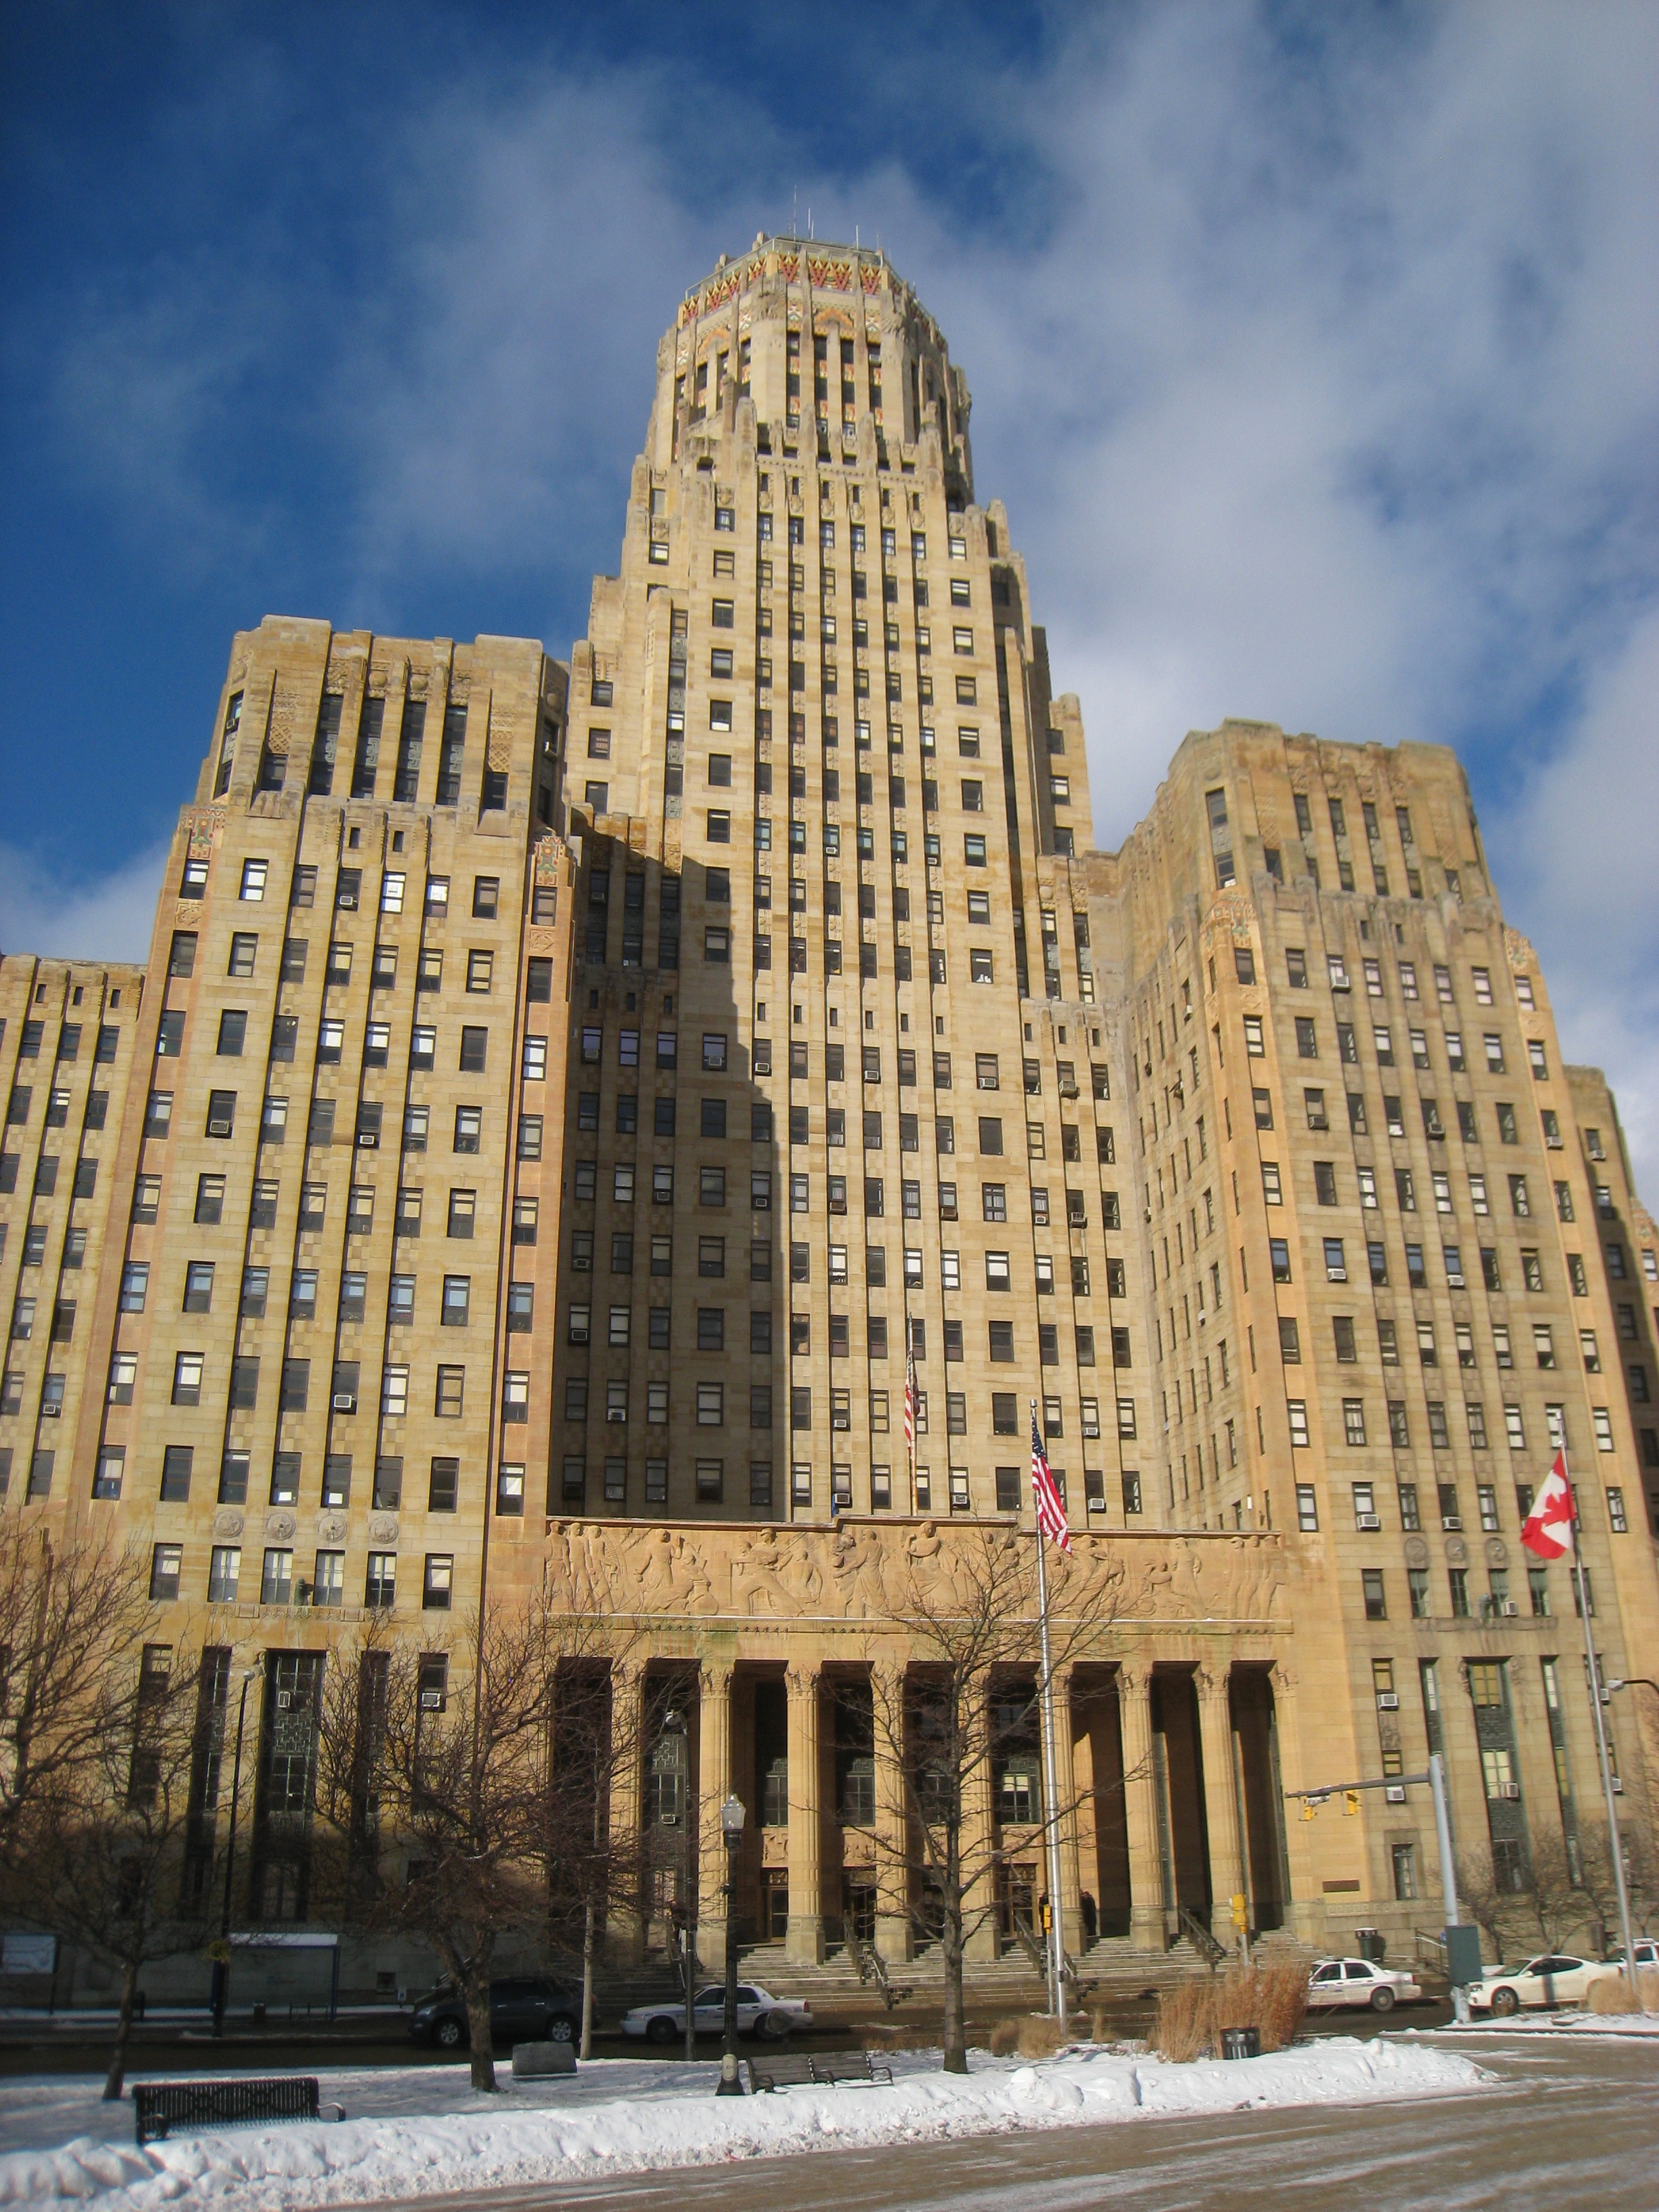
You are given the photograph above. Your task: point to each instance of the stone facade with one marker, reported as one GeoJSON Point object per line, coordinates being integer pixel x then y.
{"type": "Point", "coordinates": [576, 1091]}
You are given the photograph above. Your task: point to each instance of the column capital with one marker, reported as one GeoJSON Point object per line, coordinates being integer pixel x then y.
{"type": "Point", "coordinates": [715, 1675]}
{"type": "Point", "coordinates": [1213, 1687]}
{"type": "Point", "coordinates": [1134, 1681]}
{"type": "Point", "coordinates": [802, 1681]}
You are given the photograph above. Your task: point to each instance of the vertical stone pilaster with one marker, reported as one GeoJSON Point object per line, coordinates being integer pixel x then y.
{"type": "Point", "coordinates": [893, 1927]}
{"type": "Point", "coordinates": [1134, 1695]}
{"type": "Point", "coordinates": [1220, 1799]}
{"type": "Point", "coordinates": [803, 1945]}
{"type": "Point", "coordinates": [626, 1920]}
{"type": "Point", "coordinates": [1071, 1883]}
{"type": "Point", "coordinates": [979, 1830]}
{"type": "Point", "coordinates": [713, 1784]}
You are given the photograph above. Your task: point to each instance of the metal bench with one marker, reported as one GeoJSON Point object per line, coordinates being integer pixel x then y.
{"type": "Point", "coordinates": [786, 2069]}
{"type": "Point", "coordinates": [830, 2067]}
{"type": "Point", "coordinates": [161, 2107]}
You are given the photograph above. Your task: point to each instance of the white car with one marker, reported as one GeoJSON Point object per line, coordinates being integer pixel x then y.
{"type": "Point", "coordinates": [1554, 1978]}
{"type": "Point", "coordinates": [1360, 1982]}
{"type": "Point", "coordinates": [1647, 1952]}
{"type": "Point", "coordinates": [759, 2013]}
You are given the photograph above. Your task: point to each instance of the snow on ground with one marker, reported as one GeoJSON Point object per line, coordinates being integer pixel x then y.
{"type": "Point", "coordinates": [418, 2131]}
{"type": "Point", "coordinates": [1560, 2023]}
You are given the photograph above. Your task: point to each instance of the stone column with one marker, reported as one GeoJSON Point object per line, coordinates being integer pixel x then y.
{"type": "Point", "coordinates": [713, 1784]}
{"type": "Point", "coordinates": [804, 1946]}
{"type": "Point", "coordinates": [1134, 1700]}
{"type": "Point", "coordinates": [979, 1830]}
{"type": "Point", "coordinates": [1220, 1800]}
{"type": "Point", "coordinates": [893, 1925]}
{"type": "Point", "coordinates": [626, 1921]}
{"type": "Point", "coordinates": [1071, 1884]}
{"type": "Point", "coordinates": [1304, 1907]}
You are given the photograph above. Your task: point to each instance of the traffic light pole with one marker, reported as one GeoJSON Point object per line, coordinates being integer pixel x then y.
{"type": "Point", "coordinates": [1461, 1953]}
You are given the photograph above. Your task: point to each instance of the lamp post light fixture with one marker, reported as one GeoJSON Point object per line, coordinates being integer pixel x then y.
{"type": "Point", "coordinates": [221, 1962]}
{"type": "Point", "coordinates": [733, 1816]}
{"type": "Point", "coordinates": [674, 1724]}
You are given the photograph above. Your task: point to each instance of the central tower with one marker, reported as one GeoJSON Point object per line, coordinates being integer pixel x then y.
{"type": "Point", "coordinates": [827, 805]}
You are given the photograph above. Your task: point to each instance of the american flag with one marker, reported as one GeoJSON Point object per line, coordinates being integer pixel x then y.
{"type": "Point", "coordinates": [1050, 1506]}
{"type": "Point", "coordinates": [909, 1401]}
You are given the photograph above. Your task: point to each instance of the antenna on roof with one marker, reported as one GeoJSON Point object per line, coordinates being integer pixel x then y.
{"type": "Point", "coordinates": [809, 222]}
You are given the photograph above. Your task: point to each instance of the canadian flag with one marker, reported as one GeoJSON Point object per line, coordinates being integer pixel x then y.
{"type": "Point", "coordinates": [1547, 1529]}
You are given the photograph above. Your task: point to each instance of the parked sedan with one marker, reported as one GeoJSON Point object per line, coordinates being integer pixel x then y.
{"type": "Point", "coordinates": [759, 2013]}
{"type": "Point", "coordinates": [528, 2009]}
{"type": "Point", "coordinates": [1339, 1982]}
{"type": "Point", "coordinates": [1555, 1978]}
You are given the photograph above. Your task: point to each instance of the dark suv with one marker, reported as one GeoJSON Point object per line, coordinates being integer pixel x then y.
{"type": "Point", "coordinates": [529, 2009]}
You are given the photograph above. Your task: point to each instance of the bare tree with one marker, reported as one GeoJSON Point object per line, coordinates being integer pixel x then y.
{"type": "Point", "coordinates": [1492, 1910]}
{"type": "Point", "coordinates": [1600, 1892]}
{"type": "Point", "coordinates": [433, 1779]}
{"type": "Point", "coordinates": [69, 1620]}
{"type": "Point", "coordinates": [591, 1869]}
{"type": "Point", "coordinates": [101, 1855]}
{"type": "Point", "coordinates": [961, 1724]}
{"type": "Point", "coordinates": [1553, 1903]}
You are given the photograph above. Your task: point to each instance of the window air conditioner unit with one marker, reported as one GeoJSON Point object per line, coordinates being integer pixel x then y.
{"type": "Point", "coordinates": [284, 1700]}
{"type": "Point", "coordinates": [346, 898]}
{"type": "Point", "coordinates": [615, 1414]}
{"type": "Point", "coordinates": [1368, 1519]}
{"type": "Point", "coordinates": [218, 1129]}
{"type": "Point", "coordinates": [1388, 1701]}
{"type": "Point", "coordinates": [1452, 1523]}
{"type": "Point", "coordinates": [432, 1701]}
{"type": "Point", "coordinates": [1617, 1785]}
{"type": "Point", "coordinates": [1395, 1793]}
{"type": "Point", "coordinates": [1508, 1789]}
{"type": "Point", "coordinates": [345, 1401]}
{"type": "Point", "coordinates": [368, 1141]}
{"type": "Point", "coordinates": [1509, 1608]}
{"type": "Point", "coordinates": [51, 1413]}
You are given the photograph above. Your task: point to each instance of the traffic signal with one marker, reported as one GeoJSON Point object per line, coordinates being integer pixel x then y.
{"type": "Point", "coordinates": [1350, 1802]}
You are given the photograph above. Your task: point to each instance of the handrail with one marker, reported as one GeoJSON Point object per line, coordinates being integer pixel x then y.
{"type": "Point", "coordinates": [1202, 1940]}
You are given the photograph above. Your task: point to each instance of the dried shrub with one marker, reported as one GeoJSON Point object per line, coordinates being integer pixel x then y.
{"type": "Point", "coordinates": [1191, 2016]}
{"type": "Point", "coordinates": [1613, 1996]}
{"type": "Point", "coordinates": [1041, 2037]}
{"type": "Point", "coordinates": [1030, 2035]}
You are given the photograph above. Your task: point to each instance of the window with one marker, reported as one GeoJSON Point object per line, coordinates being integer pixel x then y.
{"type": "Point", "coordinates": [1371, 1582]}
{"type": "Point", "coordinates": [1307, 1507]}
{"type": "Point", "coordinates": [254, 875]}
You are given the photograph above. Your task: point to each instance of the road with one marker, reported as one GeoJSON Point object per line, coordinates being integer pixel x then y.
{"type": "Point", "coordinates": [1569, 2126]}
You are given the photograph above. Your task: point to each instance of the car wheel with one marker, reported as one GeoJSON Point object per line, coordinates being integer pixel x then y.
{"type": "Point", "coordinates": [1382, 1998]}
{"type": "Point", "coordinates": [774, 2024]}
{"type": "Point", "coordinates": [1505, 2001]}
{"type": "Point", "coordinates": [449, 2034]}
{"type": "Point", "coordinates": [661, 2030]}
{"type": "Point", "coordinates": [560, 2028]}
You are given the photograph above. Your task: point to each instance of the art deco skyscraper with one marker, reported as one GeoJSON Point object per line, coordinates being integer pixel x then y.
{"type": "Point", "coordinates": [560, 1101]}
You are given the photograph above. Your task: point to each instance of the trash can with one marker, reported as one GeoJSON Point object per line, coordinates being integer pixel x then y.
{"type": "Point", "coordinates": [1241, 2042]}
{"type": "Point", "coordinates": [1373, 1944]}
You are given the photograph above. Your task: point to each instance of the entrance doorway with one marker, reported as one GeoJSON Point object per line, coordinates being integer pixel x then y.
{"type": "Point", "coordinates": [857, 1904]}
{"type": "Point", "coordinates": [1015, 1898]}
{"type": "Point", "coordinates": [774, 1904]}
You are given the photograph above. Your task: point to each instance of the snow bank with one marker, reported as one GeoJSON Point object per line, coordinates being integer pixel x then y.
{"type": "Point", "coordinates": [623, 2115]}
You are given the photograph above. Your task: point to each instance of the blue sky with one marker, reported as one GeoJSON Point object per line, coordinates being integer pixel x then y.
{"type": "Point", "coordinates": [1315, 353]}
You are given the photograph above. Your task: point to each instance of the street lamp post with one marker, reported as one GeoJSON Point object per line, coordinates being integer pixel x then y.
{"type": "Point", "coordinates": [732, 1820]}
{"type": "Point", "coordinates": [222, 1964]}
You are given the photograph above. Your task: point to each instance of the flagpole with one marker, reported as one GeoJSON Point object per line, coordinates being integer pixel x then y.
{"type": "Point", "coordinates": [1615, 1846]}
{"type": "Point", "coordinates": [1051, 1786]}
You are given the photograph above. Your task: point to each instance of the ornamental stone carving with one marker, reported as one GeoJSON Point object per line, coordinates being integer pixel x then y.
{"type": "Point", "coordinates": [331, 1527]}
{"type": "Point", "coordinates": [1497, 1552]}
{"type": "Point", "coordinates": [382, 1528]}
{"type": "Point", "coordinates": [228, 1521]}
{"type": "Point", "coordinates": [279, 1527]}
{"type": "Point", "coordinates": [1457, 1551]}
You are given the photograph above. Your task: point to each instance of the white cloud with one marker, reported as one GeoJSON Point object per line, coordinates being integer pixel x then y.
{"type": "Point", "coordinates": [1577, 851]}
{"type": "Point", "coordinates": [62, 918]}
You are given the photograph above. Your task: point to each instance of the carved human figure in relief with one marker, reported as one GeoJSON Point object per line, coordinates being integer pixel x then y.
{"type": "Point", "coordinates": [857, 1561]}
{"type": "Point", "coordinates": [756, 1576]}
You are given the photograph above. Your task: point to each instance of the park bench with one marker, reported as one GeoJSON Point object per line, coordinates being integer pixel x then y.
{"type": "Point", "coordinates": [161, 2107]}
{"type": "Point", "coordinates": [814, 2069]}
{"type": "Point", "coordinates": [832, 2066]}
